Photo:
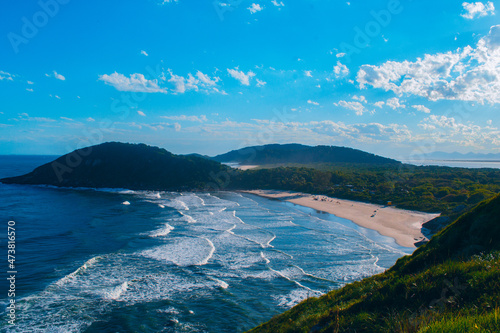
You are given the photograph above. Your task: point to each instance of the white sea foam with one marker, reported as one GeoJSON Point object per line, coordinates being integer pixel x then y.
{"type": "Point", "coordinates": [80, 270]}
{"type": "Point", "coordinates": [183, 251]}
{"type": "Point", "coordinates": [162, 232]}
{"type": "Point", "coordinates": [116, 292]}
{"type": "Point", "coordinates": [294, 281]}
{"type": "Point", "coordinates": [234, 215]}
{"type": "Point", "coordinates": [293, 298]}
{"type": "Point", "coordinates": [210, 254]}
{"type": "Point", "coordinates": [187, 218]}
{"type": "Point", "coordinates": [221, 283]}
{"type": "Point", "coordinates": [268, 244]}
{"type": "Point", "coordinates": [182, 204]}
{"type": "Point", "coordinates": [230, 230]}
{"type": "Point", "coordinates": [267, 261]}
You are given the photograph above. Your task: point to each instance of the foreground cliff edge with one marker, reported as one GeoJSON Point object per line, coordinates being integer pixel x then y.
{"type": "Point", "coordinates": [451, 284]}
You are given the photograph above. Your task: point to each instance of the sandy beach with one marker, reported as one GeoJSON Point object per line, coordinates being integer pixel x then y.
{"type": "Point", "coordinates": [247, 167]}
{"type": "Point", "coordinates": [402, 225]}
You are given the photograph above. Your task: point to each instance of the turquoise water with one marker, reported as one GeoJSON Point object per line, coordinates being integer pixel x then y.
{"type": "Point", "coordinates": [171, 262]}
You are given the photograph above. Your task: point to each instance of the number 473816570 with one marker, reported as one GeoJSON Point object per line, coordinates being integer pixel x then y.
{"type": "Point", "coordinates": [11, 246]}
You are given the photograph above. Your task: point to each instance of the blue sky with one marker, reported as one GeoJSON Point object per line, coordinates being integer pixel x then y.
{"type": "Point", "coordinates": [392, 77]}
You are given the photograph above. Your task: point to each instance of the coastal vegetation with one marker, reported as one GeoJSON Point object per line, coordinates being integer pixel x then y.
{"type": "Point", "coordinates": [425, 188]}
{"type": "Point", "coordinates": [450, 284]}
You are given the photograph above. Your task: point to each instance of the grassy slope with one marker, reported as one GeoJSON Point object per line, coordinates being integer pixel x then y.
{"type": "Point", "coordinates": [445, 286]}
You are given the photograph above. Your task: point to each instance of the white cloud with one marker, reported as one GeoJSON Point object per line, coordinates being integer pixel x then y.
{"type": "Point", "coordinates": [241, 76]}
{"type": "Point", "coordinates": [312, 102]}
{"type": "Point", "coordinates": [90, 119]}
{"type": "Point", "coordinates": [357, 107]}
{"type": "Point", "coordinates": [177, 127]}
{"type": "Point", "coordinates": [30, 82]}
{"type": "Point", "coordinates": [29, 89]}
{"type": "Point", "coordinates": [140, 113]}
{"type": "Point", "coordinates": [489, 122]}
{"type": "Point", "coordinates": [25, 116]}
{"type": "Point", "coordinates": [394, 103]}
{"type": "Point", "coordinates": [182, 84]}
{"type": "Point", "coordinates": [66, 118]}
{"type": "Point", "coordinates": [136, 83]}
{"type": "Point", "coordinates": [379, 104]}
{"type": "Point", "coordinates": [340, 55]}
{"type": "Point", "coordinates": [447, 129]}
{"type": "Point", "coordinates": [278, 4]}
{"type": "Point", "coordinates": [360, 98]}
{"type": "Point", "coordinates": [260, 83]}
{"type": "Point", "coordinates": [421, 108]}
{"type": "Point", "coordinates": [254, 8]}
{"type": "Point", "coordinates": [477, 9]}
{"type": "Point", "coordinates": [6, 76]}
{"type": "Point", "coordinates": [206, 79]}
{"type": "Point", "coordinates": [56, 75]}
{"type": "Point", "coordinates": [340, 70]}
{"type": "Point", "coordinates": [308, 73]}
{"type": "Point", "coordinates": [466, 74]}
{"type": "Point", "coordinates": [144, 53]}
{"type": "Point", "coordinates": [199, 119]}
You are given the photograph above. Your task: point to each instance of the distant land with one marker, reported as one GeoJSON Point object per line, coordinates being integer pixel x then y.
{"type": "Point", "coordinates": [297, 153]}
{"type": "Point", "coordinates": [439, 155]}
{"type": "Point", "coordinates": [123, 165]}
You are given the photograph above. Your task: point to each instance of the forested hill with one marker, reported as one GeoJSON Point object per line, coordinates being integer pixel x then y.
{"type": "Point", "coordinates": [123, 165]}
{"type": "Point", "coordinates": [297, 153]}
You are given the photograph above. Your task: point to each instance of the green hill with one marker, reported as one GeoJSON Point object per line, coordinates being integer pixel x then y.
{"type": "Point", "coordinates": [296, 153]}
{"type": "Point", "coordinates": [123, 165]}
{"type": "Point", "coordinates": [451, 284]}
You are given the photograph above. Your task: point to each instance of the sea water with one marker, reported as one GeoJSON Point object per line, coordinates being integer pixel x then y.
{"type": "Point", "coordinates": [116, 260]}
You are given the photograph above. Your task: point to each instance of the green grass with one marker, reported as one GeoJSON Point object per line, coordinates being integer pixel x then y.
{"type": "Point", "coordinates": [445, 286]}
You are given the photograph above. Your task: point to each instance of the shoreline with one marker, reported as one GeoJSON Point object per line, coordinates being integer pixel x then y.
{"type": "Point", "coordinates": [404, 226]}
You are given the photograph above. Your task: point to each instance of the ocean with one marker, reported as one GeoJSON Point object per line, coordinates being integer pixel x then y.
{"type": "Point", "coordinates": [115, 260]}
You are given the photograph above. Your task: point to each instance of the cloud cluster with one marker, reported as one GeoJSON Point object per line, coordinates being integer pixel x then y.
{"type": "Point", "coordinates": [468, 74]}
{"type": "Point", "coordinates": [446, 129]}
{"type": "Point", "coordinates": [255, 7]}
{"type": "Point", "coordinates": [241, 76]}
{"type": "Point", "coordinates": [56, 75]}
{"type": "Point", "coordinates": [478, 9]}
{"type": "Point", "coordinates": [357, 107]}
{"type": "Point", "coordinates": [179, 84]}
{"type": "Point", "coordinates": [340, 70]}
{"type": "Point", "coordinates": [135, 83]}
{"type": "Point", "coordinates": [199, 119]}
{"type": "Point", "coordinates": [6, 76]}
